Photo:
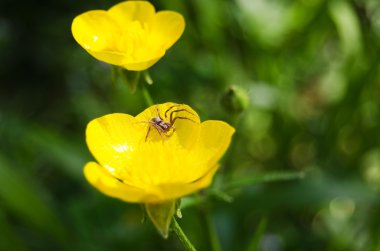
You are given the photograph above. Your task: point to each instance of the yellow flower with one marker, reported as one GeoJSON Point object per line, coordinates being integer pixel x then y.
{"type": "Point", "coordinates": [130, 34]}
{"type": "Point", "coordinates": [162, 154]}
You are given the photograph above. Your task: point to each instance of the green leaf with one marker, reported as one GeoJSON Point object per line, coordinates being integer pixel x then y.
{"type": "Point", "coordinates": [25, 200]}
{"type": "Point", "coordinates": [56, 148]}
{"type": "Point", "coordinates": [161, 215]}
{"type": "Point", "coordinates": [192, 200]}
{"type": "Point", "coordinates": [9, 240]}
{"type": "Point", "coordinates": [254, 244]}
{"type": "Point", "coordinates": [268, 177]}
{"type": "Point", "coordinates": [221, 195]}
{"type": "Point", "coordinates": [221, 192]}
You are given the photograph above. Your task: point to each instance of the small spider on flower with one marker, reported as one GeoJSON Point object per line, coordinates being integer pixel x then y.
{"type": "Point", "coordinates": [165, 126]}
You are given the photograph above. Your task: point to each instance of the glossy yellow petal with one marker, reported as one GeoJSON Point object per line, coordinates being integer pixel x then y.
{"type": "Point", "coordinates": [183, 118]}
{"type": "Point", "coordinates": [195, 162]}
{"type": "Point", "coordinates": [126, 12]}
{"type": "Point", "coordinates": [140, 66]}
{"type": "Point", "coordinates": [176, 190]}
{"type": "Point", "coordinates": [113, 138]}
{"type": "Point", "coordinates": [167, 28]}
{"type": "Point", "coordinates": [101, 179]}
{"type": "Point", "coordinates": [96, 32]}
{"type": "Point", "coordinates": [157, 163]}
{"type": "Point", "coordinates": [151, 165]}
{"type": "Point", "coordinates": [214, 139]}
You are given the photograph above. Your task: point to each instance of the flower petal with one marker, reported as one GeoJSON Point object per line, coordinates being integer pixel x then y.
{"type": "Point", "coordinates": [167, 28]}
{"type": "Point", "coordinates": [215, 138]}
{"type": "Point", "coordinates": [97, 33]}
{"type": "Point", "coordinates": [173, 191]}
{"type": "Point", "coordinates": [113, 138]}
{"type": "Point", "coordinates": [195, 163]}
{"type": "Point", "coordinates": [100, 178]}
{"type": "Point", "coordinates": [140, 66]}
{"type": "Point", "coordinates": [126, 12]}
{"type": "Point", "coordinates": [136, 18]}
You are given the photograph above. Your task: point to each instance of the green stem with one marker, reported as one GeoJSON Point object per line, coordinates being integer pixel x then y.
{"type": "Point", "coordinates": [147, 97]}
{"type": "Point", "coordinates": [182, 237]}
{"type": "Point", "coordinates": [214, 240]}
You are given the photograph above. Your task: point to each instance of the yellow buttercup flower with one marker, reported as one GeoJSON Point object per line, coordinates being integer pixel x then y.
{"type": "Point", "coordinates": [162, 154]}
{"type": "Point", "coordinates": [130, 34]}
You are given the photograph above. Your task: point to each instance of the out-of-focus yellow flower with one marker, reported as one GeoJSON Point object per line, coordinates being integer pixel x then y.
{"type": "Point", "coordinates": [130, 34]}
{"type": "Point", "coordinates": [162, 154]}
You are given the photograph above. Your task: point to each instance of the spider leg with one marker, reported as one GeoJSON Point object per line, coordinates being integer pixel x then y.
{"type": "Point", "coordinates": [179, 110]}
{"type": "Point", "coordinates": [159, 130]}
{"type": "Point", "coordinates": [158, 112]}
{"type": "Point", "coordinates": [147, 134]}
{"type": "Point", "coordinates": [171, 107]}
{"type": "Point", "coordinates": [183, 118]}
{"type": "Point", "coordinates": [143, 121]}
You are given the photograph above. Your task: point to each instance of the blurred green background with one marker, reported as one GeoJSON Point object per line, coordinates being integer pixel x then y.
{"type": "Point", "coordinates": [311, 70]}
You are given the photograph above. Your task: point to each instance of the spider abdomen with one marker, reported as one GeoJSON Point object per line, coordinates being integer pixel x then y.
{"type": "Point", "coordinates": [165, 126]}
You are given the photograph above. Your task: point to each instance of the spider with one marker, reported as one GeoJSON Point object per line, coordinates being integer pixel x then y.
{"type": "Point", "coordinates": [165, 127]}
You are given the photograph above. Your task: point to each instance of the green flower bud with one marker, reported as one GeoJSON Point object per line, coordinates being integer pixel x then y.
{"type": "Point", "coordinates": [235, 100]}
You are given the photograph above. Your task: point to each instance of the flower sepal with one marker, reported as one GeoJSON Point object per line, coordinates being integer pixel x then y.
{"type": "Point", "coordinates": [131, 79]}
{"type": "Point", "coordinates": [125, 77]}
{"type": "Point", "coordinates": [161, 215]}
